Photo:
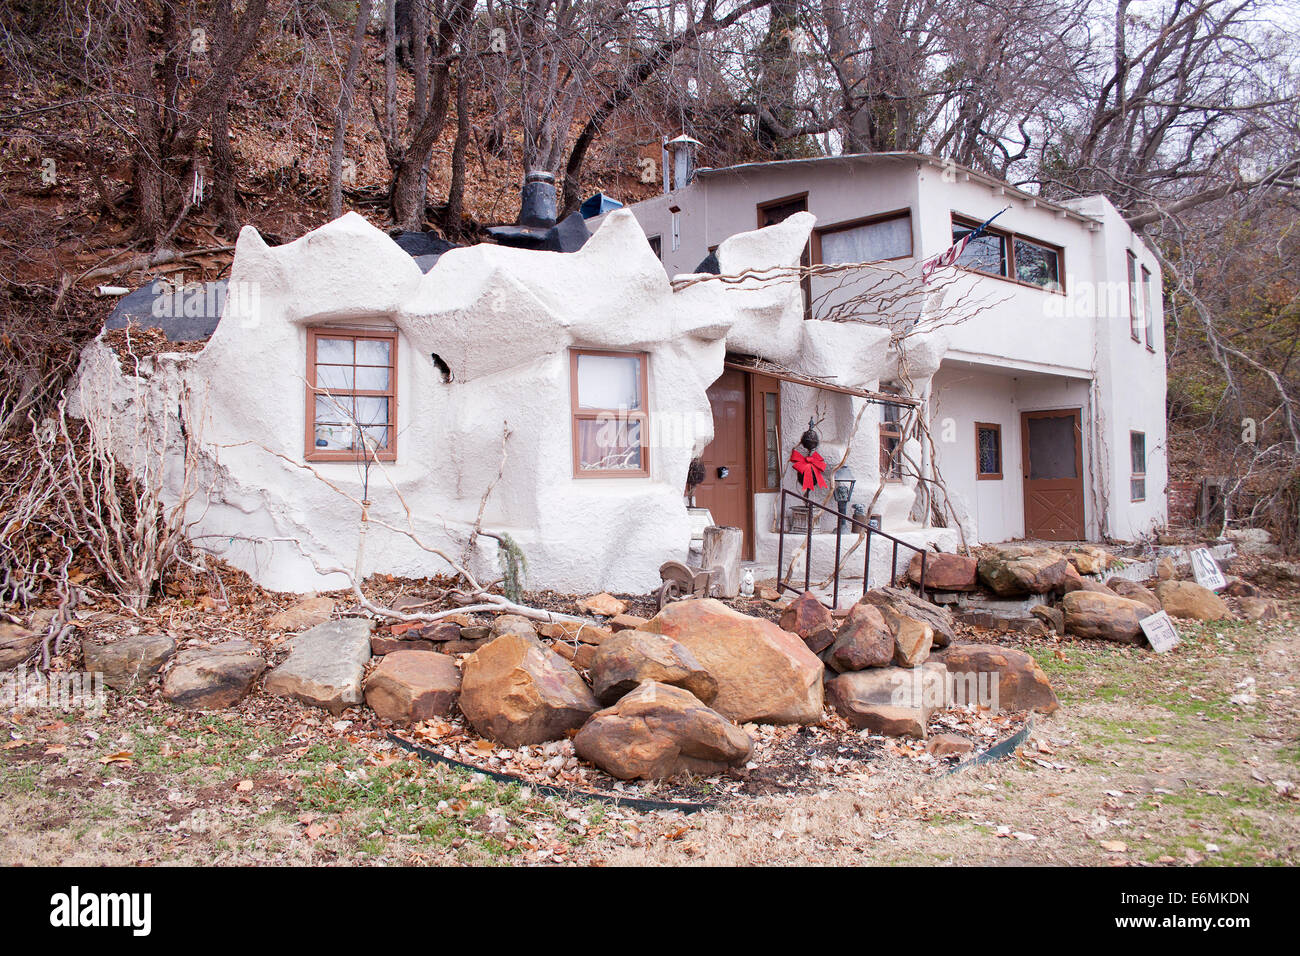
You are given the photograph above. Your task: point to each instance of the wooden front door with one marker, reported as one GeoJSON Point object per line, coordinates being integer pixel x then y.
{"type": "Point", "coordinates": [1052, 444]}
{"type": "Point", "coordinates": [726, 488]}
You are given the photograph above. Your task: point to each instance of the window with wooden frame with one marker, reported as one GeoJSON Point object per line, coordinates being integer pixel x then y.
{"type": "Point", "coordinates": [1009, 255]}
{"type": "Point", "coordinates": [1152, 308]}
{"type": "Point", "coordinates": [610, 399]}
{"type": "Point", "coordinates": [891, 442]}
{"type": "Point", "coordinates": [765, 411]}
{"type": "Point", "coordinates": [870, 239]}
{"type": "Point", "coordinates": [351, 394]}
{"type": "Point", "coordinates": [779, 210]}
{"type": "Point", "coordinates": [1134, 300]}
{"type": "Point", "coordinates": [988, 451]}
{"type": "Point", "coordinates": [1137, 444]}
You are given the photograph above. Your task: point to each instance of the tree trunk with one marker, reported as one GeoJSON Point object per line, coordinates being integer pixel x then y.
{"type": "Point", "coordinates": [345, 109]}
{"type": "Point", "coordinates": [722, 550]}
{"type": "Point", "coordinates": [452, 225]}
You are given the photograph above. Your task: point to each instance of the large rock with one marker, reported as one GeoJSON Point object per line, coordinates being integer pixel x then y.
{"type": "Point", "coordinates": [912, 638]}
{"type": "Point", "coordinates": [1278, 573]}
{"type": "Point", "coordinates": [764, 673]}
{"type": "Point", "coordinates": [325, 665]}
{"type": "Point", "coordinates": [517, 691]}
{"type": "Point", "coordinates": [1089, 559]}
{"type": "Point", "coordinates": [905, 602]}
{"type": "Point", "coordinates": [1258, 609]}
{"type": "Point", "coordinates": [1188, 599]}
{"type": "Point", "coordinates": [1051, 617]}
{"type": "Point", "coordinates": [1016, 571]}
{"type": "Point", "coordinates": [129, 661]}
{"type": "Point", "coordinates": [811, 620]}
{"type": "Point", "coordinates": [512, 624]}
{"type": "Point", "coordinates": [1105, 616]}
{"type": "Point", "coordinates": [630, 658]}
{"type": "Point", "coordinates": [893, 701]}
{"type": "Point", "coordinates": [309, 612]}
{"type": "Point", "coordinates": [410, 686]}
{"type": "Point", "coordinates": [945, 571]}
{"type": "Point", "coordinates": [658, 731]}
{"type": "Point", "coordinates": [212, 678]}
{"type": "Point", "coordinates": [863, 640]}
{"type": "Point", "coordinates": [16, 644]}
{"type": "Point", "coordinates": [1021, 683]}
{"type": "Point", "coordinates": [1134, 592]}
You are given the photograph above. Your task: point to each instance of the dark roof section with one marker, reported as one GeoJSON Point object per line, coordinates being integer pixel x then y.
{"type": "Point", "coordinates": [710, 265]}
{"type": "Point", "coordinates": [568, 235]}
{"type": "Point", "coordinates": [187, 314]}
{"type": "Point", "coordinates": [417, 244]}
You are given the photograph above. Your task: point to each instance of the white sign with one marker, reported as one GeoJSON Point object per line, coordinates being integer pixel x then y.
{"type": "Point", "coordinates": [1205, 569]}
{"type": "Point", "coordinates": [1160, 631]}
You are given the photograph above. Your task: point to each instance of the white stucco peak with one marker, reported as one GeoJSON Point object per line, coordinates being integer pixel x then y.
{"type": "Point", "coordinates": [778, 245]}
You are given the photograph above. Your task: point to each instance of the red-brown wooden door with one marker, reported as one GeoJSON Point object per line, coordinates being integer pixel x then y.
{"type": "Point", "coordinates": [1052, 444]}
{"type": "Point", "coordinates": [727, 495]}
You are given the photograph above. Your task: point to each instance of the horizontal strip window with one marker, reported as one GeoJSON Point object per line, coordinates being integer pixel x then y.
{"type": "Point", "coordinates": [1009, 255]}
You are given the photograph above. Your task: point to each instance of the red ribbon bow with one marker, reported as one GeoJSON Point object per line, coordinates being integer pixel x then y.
{"type": "Point", "coordinates": [810, 468]}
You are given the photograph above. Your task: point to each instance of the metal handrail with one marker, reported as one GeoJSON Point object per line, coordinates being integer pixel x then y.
{"type": "Point", "coordinates": [858, 525]}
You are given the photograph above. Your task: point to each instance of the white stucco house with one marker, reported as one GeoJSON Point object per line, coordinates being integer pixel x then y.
{"type": "Point", "coordinates": [1047, 409]}
{"type": "Point", "coordinates": [1037, 362]}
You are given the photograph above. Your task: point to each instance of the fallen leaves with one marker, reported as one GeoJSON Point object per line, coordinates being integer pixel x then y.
{"type": "Point", "coordinates": [120, 757]}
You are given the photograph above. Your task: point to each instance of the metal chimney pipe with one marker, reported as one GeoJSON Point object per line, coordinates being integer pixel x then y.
{"type": "Point", "coordinates": [537, 206]}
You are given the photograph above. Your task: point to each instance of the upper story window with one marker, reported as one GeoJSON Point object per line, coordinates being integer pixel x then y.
{"type": "Point", "coordinates": [610, 402]}
{"type": "Point", "coordinates": [1135, 320]}
{"type": "Point", "coordinates": [873, 239]}
{"type": "Point", "coordinates": [1149, 296]}
{"type": "Point", "coordinates": [351, 395]}
{"type": "Point", "coordinates": [1009, 255]}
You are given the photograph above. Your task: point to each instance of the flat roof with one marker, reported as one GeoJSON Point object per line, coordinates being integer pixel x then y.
{"type": "Point", "coordinates": [924, 159]}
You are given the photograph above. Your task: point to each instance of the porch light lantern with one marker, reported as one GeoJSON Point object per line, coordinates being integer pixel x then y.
{"type": "Point", "coordinates": [844, 482]}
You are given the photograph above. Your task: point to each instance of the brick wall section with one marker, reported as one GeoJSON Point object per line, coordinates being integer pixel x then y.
{"type": "Point", "coordinates": [1182, 503]}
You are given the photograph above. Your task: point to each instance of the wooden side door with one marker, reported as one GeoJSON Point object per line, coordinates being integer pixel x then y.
{"type": "Point", "coordinates": [726, 489]}
{"type": "Point", "coordinates": [1052, 452]}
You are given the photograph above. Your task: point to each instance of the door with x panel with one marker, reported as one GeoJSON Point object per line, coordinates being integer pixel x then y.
{"type": "Point", "coordinates": [1053, 474]}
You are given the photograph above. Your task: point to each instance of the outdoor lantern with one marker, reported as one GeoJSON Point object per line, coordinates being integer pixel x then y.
{"type": "Point", "coordinates": [844, 482]}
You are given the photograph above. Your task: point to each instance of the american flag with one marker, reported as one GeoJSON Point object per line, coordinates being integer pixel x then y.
{"type": "Point", "coordinates": [953, 252]}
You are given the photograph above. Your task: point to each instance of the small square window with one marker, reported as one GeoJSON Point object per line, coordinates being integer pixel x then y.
{"type": "Point", "coordinates": [351, 395]}
{"type": "Point", "coordinates": [610, 430]}
{"type": "Point", "coordinates": [988, 451]}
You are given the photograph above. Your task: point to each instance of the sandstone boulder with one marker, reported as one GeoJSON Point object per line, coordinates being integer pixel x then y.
{"type": "Point", "coordinates": [130, 661]}
{"type": "Point", "coordinates": [1166, 569]}
{"type": "Point", "coordinates": [1089, 559]}
{"type": "Point", "coordinates": [658, 731]}
{"type": "Point", "coordinates": [603, 604]}
{"type": "Point", "coordinates": [903, 601]}
{"type": "Point", "coordinates": [212, 678]}
{"type": "Point", "coordinates": [576, 631]}
{"type": "Point", "coordinates": [1188, 599]}
{"type": "Point", "coordinates": [517, 691]}
{"type": "Point", "coordinates": [630, 658]}
{"type": "Point", "coordinates": [410, 686]}
{"type": "Point", "coordinates": [1017, 571]}
{"type": "Point", "coordinates": [912, 638]}
{"type": "Point", "coordinates": [1134, 592]}
{"type": "Point", "coordinates": [16, 644]}
{"type": "Point", "coordinates": [811, 620]}
{"type": "Point", "coordinates": [1021, 683]}
{"type": "Point", "coordinates": [325, 665]}
{"type": "Point", "coordinates": [1105, 616]}
{"type": "Point", "coordinates": [892, 701]}
{"type": "Point", "coordinates": [945, 571]}
{"type": "Point", "coordinates": [948, 745]}
{"type": "Point", "coordinates": [511, 624]}
{"type": "Point", "coordinates": [764, 673]}
{"type": "Point", "coordinates": [1258, 609]}
{"type": "Point", "coordinates": [863, 640]}
{"type": "Point", "coordinates": [1051, 617]}
{"type": "Point", "coordinates": [306, 613]}
{"type": "Point", "coordinates": [1278, 573]}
